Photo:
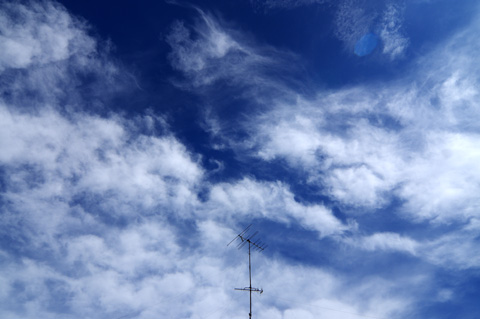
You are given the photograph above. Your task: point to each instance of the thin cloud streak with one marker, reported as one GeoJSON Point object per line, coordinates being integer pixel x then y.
{"type": "Point", "coordinates": [412, 139]}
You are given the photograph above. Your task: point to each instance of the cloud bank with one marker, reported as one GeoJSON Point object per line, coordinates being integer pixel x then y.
{"type": "Point", "coordinates": [94, 206]}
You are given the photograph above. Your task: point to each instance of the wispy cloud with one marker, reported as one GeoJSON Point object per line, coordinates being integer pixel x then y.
{"type": "Point", "coordinates": [273, 201]}
{"type": "Point", "coordinates": [210, 53]}
{"type": "Point", "coordinates": [394, 41]}
{"type": "Point", "coordinates": [47, 57]}
{"type": "Point", "coordinates": [411, 140]}
{"type": "Point", "coordinates": [355, 18]}
{"type": "Point", "coordinates": [386, 242]}
{"type": "Point", "coordinates": [199, 55]}
{"type": "Point", "coordinates": [43, 33]}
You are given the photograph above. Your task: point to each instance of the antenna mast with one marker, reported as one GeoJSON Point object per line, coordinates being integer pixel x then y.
{"type": "Point", "coordinates": [256, 245]}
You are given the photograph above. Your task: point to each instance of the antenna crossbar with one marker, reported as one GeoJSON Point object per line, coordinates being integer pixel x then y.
{"type": "Point", "coordinates": [250, 289]}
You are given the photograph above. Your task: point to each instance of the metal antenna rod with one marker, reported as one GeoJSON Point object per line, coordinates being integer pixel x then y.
{"type": "Point", "coordinates": [244, 239]}
{"type": "Point", "coordinates": [250, 276]}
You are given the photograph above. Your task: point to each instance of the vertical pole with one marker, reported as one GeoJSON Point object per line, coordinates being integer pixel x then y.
{"type": "Point", "coordinates": [250, 275]}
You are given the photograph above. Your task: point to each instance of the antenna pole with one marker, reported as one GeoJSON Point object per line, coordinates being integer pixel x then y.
{"type": "Point", "coordinates": [260, 247]}
{"type": "Point", "coordinates": [250, 276]}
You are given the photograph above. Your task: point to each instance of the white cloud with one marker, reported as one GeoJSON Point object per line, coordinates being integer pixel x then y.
{"type": "Point", "coordinates": [356, 186]}
{"type": "Point", "coordinates": [353, 19]}
{"type": "Point", "coordinates": [394, 42]}
{"type": "Point", "coordinates": [386, 242]}
{"type": "Point", "coordinates": [250, 199]}
{"type": "Point", "coordinates": [295, 137]}
{"type": "Point", "coordinates": [43, 33]}
{"type": "Point", "coordinates": [310, 292]}
{"type": "Point", "coordinates": [91, 154]}
{"type": "Point", "coordinates": [357, 165]}
{"type": "Point", "coordinates": [442, 184]}
{"type": "Point", "coordinates": [197, 57]}
{"type": "Point", "coordinates": [454, 249]}
{"type": "Point", "coordinates": [208, 51]}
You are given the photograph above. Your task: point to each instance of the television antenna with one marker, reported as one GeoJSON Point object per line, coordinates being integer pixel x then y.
{"type": "Point", "coordinates": [255, 245]}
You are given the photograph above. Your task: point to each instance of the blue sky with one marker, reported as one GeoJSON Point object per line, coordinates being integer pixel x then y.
{"type": "Point", "coordinates": [137, 139]}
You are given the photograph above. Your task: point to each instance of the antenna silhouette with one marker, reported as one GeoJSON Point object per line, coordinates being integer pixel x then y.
{"type": "Point", "coordinates": [257, 245]}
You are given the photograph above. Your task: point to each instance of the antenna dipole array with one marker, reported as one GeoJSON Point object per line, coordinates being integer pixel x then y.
{"type": "Point", "coordinates": [256, 245]}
